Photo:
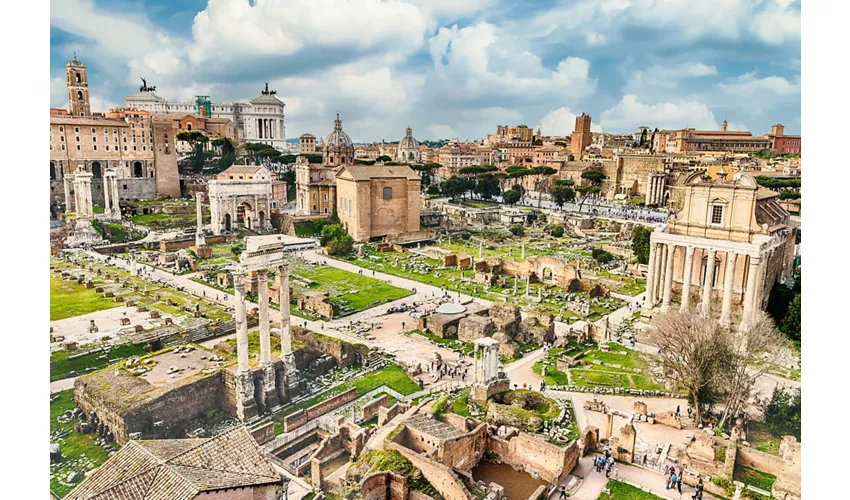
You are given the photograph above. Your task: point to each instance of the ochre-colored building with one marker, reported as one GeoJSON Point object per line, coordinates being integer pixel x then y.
{"type": "Point", "coordinates": [376, 201]}
{"type": "Point", "coordinates": [581, 137]}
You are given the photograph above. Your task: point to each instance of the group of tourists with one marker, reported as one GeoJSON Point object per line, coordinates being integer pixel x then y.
{"type": "Point", "coordinates": [605, 463]}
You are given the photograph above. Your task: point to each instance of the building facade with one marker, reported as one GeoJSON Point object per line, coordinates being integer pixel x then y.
{"type": "Point", "coordinates": [781, 143]}
{"type": "Point", "coordinates": [581, 137]}
{"type": "Point", "coordinates": [259, 120]}
{"type": "Point", "coordinates": [722, 251]}
{"type": "Point", "coordinates": [241, 195]}
{"type": "Point", "coordinates": [315, 184]}
{"type": "Point", "coordinates": [139, 147]}
{"type": "Point", "coordinates": [724, 140]}
{"type": "Point", "coordinates": [408, 148]}
{"type": "Point", "coordinates": [376, 201]}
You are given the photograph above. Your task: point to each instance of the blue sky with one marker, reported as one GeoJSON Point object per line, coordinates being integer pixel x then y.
{"type": "Point", "coordinates": [448, 68]}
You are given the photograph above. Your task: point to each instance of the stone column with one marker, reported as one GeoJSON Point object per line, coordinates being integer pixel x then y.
{"type": "Point", "coordinates": [705, 306]}
{"type": "Point", "coordinates": [527, 283]}
{"type": "Point", "coordinates": [107, 207]}
{"type": "Point", "coordinates": [660, 265]}
{"type": "Point", "coordinates": [480, 249]}
{"type": "Point", "coordinates": [523, 251]}
{"type": "Point", "coordinates": [668, 278]}
{"type": "Point", "coordinates": [241, 319]}
{"type": "Point", "coordinates": [285, 328]}
{"type": "Point", "coordinates": [116, 198]}
{"type": "Point", "coordinates": [728, 285]}
{"type": "Point", "coordinates": [687, 273]}
{"type": "Point", "coordinates": [650, 275]}
{"type": "Point", "coordinates": [199, 230]}
{"type": "Point", "coordinates": [265, 325]}
{"type": "Point", "coordinates": [67, 186]}
{"type": "Point", "coordinates": [246, 406]}
{"type": "Point", "coordinates": [750, 290]}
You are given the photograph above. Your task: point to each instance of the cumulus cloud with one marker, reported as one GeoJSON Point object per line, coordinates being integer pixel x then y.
{"type": "Point", "coordinates": [777, 27]}
{"type": "Point", "coordinates": [668, 75]}
{"type": "Point", "coordinates": [562, 121]}
{"type": "Point", "coordinates": [629, 113]}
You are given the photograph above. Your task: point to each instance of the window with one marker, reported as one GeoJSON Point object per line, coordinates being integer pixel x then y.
{"type": "Point", "coordinates": [78, 147]}
{"type": "Point", "coordinates": [717, 214]}
{"type": "Point", "coordinates": [95, 147]}
{"type": "Point", "coordinates": [77, 130]}
{"type": "Point", "coordinates": [115, 131]}
{"type": "Point", "coordinates": [61, 129]}
{"type": "Point", "coordinates": [61, 138]}
{"type": "Point", "coordinates": [106, 131]}
{"type": "Point", "coordinates": [94, 139]}
{"type": "Point", "coordinates": [326, 197]}
{"type": "Point", "coordinates": [93, 130]}
{"type": "Point", "coordinates": [63, 147]}
{"type": "Point", "coordinates": [388, 193]}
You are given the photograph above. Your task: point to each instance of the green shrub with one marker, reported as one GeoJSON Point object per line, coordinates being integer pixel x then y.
{"type": "Point", "coordinates": [557, 231]}
{"type": "Point", "coordinates": [517, 230]}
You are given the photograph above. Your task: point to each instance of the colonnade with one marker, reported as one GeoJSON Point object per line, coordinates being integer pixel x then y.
{"type": "Point", "coordinates": [267, 128]}
{"type": "Point", "coordinates": [111, 200]}
{"type": "Point", "coordinates": [246, 403]}
{"type": "Point", "coordinates": [659, 285]}
{"type": "Point", "coordinates": [655, 188]}
{"type": "Point", "coordinates": [83, 204]}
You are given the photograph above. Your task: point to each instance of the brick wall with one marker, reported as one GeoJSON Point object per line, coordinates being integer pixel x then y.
{"type": "Point", "coordinates": [301, 417]}
{"type": "Point", "coordinates": [387, 414]}
{"type": "Point", "coordinates": [551, 462]}
{"type": "Point", "coordinates": [344, 353]}
{"type": "Point", "coordinates": [264, 433]}
{"type": "Point", "coordinates": [440, 476]}
{"type": "Point", "coordinates": [170, 245]}
{"type": "Point", "coordinates": [371, 409]}
{"type": "Point", "coordinates": [759, 460]}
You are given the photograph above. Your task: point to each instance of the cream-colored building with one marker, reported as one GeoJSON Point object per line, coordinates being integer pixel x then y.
{"type": "Point", "coordinates": [242, 194]}
{"type": "Point", "coordinates": [315, 184]}
{"type": "Point", "coordinates": [722, 251]}
{"type": "Point", "coordinates": [635, 175]}
{"type": "Point", "coordinates": [376, 201]}
{"type": "Point", "coordinates": [408, 148]}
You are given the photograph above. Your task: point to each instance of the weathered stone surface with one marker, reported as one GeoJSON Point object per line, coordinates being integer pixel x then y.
{"type": "Point", "coordinates": [514, 416]}
{"type": "Point", "coordinates": [507, 347]}
{"type": "Point", "coordinates": [537, 328]}
{"type": "Point", "coordinates": [474, 327]}
{"type": "Point", "coordinates": [506, 318]}
{"type": "Point", "coordinates": [788, 481]}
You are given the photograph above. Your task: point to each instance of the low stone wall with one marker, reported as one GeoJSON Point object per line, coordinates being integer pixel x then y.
{"type": "Point", "coordinates": [371, 408]}
{"type": "Point", "coordinates": [440, 476]}
{"type": "Point", "coordinates": [387, 414]}
{"type": "Point", "coordinates": [759, 460]}
{"type": "Point", "coordinates": [384, 486]}
{"type": "Point", "coordinates": [264, 433]}
{"type": "Point", "coordinates": [177, 244]}
{"type": "Point", "coordinates": [301, 417]}
{"type": "Point", "coordinates": [344, 353]}
{"type": "Point", "coordinates": [526, 452]}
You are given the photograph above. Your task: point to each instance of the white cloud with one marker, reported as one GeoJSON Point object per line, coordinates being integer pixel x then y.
{"type": "Point", "coordinates": [478, 62]}
{"type": "Point", "coordinates": [667, 75]}
{"type": "Point", "coordinates": [375, 87]}
{"type": "Point", "coordinates": [562, 121]}
{"type": "Point", "coordinates": [629, 113]}
{"type": "Point", "coordinates": [595, 39]}
{"type": "Point", "coordinates": [228, 28]}
{"type": "Point", "coordinates": [748, 85]}
{"type": "Point", "coordinates": [441, 131]}
{"type": "Point", "coordinates": [777, 27]}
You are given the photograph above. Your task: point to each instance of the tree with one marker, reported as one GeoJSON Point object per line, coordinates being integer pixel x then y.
{"type": "Point", "coordinates": [541, 172]}
{"type": "Point", "coordinates": [512, 195]}
{"type": "Point", "coordinates": [783, 413]}
{"type": "Point", "coordinates": [487, 187]}
{"type": "Point", "coordinates": [455, 187]}
{"type": "Point", "coordinates": [643, 138]}
{"type": "Point", "coordinates": [595, 176]}
{"type": "Point", "coordinates": [557, 231]}
{"type": "Point", "coordinates": [383, 158]}
{"type": "Point", "coordinates": [562, 193]}
{"type": "Point", "coordinates": [227, 148]}
{"type": "Point", "coordinates": [693, 351]}
{"type": "Point", "coordinates": [601, 256]}
{"type": "Point", "coordinates": [755, 349]}
{"type": "Point", "coordinates": [640, 243]}
{"type": "Point", "coordinates": [196, 141]}
{"type": "Point", "coordinates": [433, 189]}
{"type": "Point", "coordinates": [517, 230]}
{"type": "Point", "coordinates": [793, 320]}
{"type": "Point", "coordinates": [336, 240]}
{"type": "Point", "coordinates": [477, 170]}
{"type": "Point", "coordinates": [426, 172]}
{"type": "Point", "coordinates": [236, 250]}
{"type": "Point", "coordinates": [587, 191]}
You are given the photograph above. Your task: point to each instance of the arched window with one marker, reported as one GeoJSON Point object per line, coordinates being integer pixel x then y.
{"type": "Point", "coordinates": [77, 76]}
{"type": "Point", "coordinates": [96, 170]}
{"type": "Point", "coordinates": [52, 171]}
{"type": "Point", "coordinates": [80, 95]}
{"type": "Point", "coordinates": [188, 126]}
{"type": "Point", "coordinates": [137, 169]}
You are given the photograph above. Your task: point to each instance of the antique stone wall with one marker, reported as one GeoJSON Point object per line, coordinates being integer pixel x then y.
{"type": "Point", "coordinates": [440, 476]}
{"type": "Point", "coordinates": [506, 318]}
{"type": "Point", "coordinates": [531, 454]}
{"type": "Point", "coordinates": [177, 244]}
{"type": "Point", "coordinates": [301, 417]}
{"type": "Point", "coordinates": [474, 327]}
{"type": "Point", "coordinates": [344, 353]}
{"type": "Point", "coordinates": [788, 481]}
{"type": "Point", "coordinates": [464, 452]}
{"type": "Point", "coordinates": [538, 327]}
{"type": "Point", "coordinates": [371, 408]}
{"type": "Point", "coordinates": [384, 486]}
{"type": "Point", "coordinates": [387, 414]}
{"type": "Point", "coordinates": [759, 460]}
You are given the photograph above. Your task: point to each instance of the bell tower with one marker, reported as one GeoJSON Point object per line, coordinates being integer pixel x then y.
{"type": "Point", "coordinates": [78, 88]}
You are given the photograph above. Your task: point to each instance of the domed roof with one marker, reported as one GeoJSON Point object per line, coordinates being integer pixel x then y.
{"type": "Point", "coordinates": [338, 138]}
{"type": "Point", "coordinates": [408, 142]}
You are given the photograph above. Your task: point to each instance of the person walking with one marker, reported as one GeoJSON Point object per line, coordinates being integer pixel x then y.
{"type": "Point", "coordinates": [563, 492]}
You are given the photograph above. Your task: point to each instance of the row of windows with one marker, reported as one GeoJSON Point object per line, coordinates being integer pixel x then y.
{"type": "Point", "coordinates": [79, 148]}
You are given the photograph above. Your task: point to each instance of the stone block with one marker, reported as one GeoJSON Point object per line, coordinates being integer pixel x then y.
{"type": "Point", "coordinates": [474, 327]}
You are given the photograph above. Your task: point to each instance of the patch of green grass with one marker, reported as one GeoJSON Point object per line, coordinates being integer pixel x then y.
{"type": "Point", "coordinates": [62, 364]}
{"type": "Point", "coordinates": [587, 378]}
{"type": "Point", "coordinates": [460, 405]}
{"type": "Point", "coordinates": [753, 477]}
{"type": "Point", "coordinates": [76, 447]}
{"type": "Point", "coordinates": [346, 289]}
{"type": "Point", "coordinates": [624, 491]}
{"type": "Point", "coordinates": [393, 376]}
{"type": "Point", "coordinates": [760, 436]}
{"type": "Point", "coordinates": [69, 299]}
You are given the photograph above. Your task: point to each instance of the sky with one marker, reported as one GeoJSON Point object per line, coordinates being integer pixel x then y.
{"type": "Point", "coordinates": [448, 68]}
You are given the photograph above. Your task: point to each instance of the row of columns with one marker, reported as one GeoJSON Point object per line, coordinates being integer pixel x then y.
{"type": "Point", "coordinates": [246, 404]}
{"type": "Point", "coordinates": [660, 282]}
{"type": "Point", "coordinates": [655, 188]}
{"type": "Point", "coordinates": [112, 206]}
{"type": "Point", "coordinates": [266, 128]}
{"type": "Point", "coordinates": [487, 364]}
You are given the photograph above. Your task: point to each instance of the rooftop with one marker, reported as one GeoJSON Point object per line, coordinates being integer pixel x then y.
{"type": "Point", "coordinates": [178, 469]}
{"type": "Point", "coordinates": [368, 172]}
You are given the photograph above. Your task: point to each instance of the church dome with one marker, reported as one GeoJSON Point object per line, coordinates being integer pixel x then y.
{"type": "Point", "coordinates": [338, 138]}
{"type": "Point", "coordinates": [408, 142]}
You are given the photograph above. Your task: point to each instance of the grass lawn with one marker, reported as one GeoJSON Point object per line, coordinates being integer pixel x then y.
{"type": "Point", "coordinates": [69, 299]}
{"type": "Point", "coordinates": [165, 221]}
{"type": "Point", "coordinates": [759, 435]}
{"type": "Point", "coordinates": [623, 491]}
{"type": "Point", "coordinates": [347, 289]}
{"type": "Point", "coordinates": [479, 204]}
{"type": "Point", "coordinates": [460, 405]}
{"type": "Point", "coordinates": [79, 452]}
{"type": "Point", "coordinates": [62, 364]}
{"type": "Point", "coordinates": [392, 376]}
{"type": "Point", "coordinates": [753, 477]}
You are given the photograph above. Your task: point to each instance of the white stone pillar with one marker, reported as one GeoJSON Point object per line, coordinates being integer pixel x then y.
{"type": "Point", "coordinates": [527, 283]}
{"type": "Point", "coordinates": [668, 277]}
{"type": "Point", "coordinates": [750, 290]}
{"type": "Point", "coordinates": [107, 206]}
{"type": "Point", "coordinates": [200, 240]}
{"type": "Point", "coordinates": [660, 265]}
{"type": "Point", "coordinates": [650, 275]}
{"type": "Point", "coordinates": [265, 325]}
{"type": "Point", "coordinates": [66, 184]}
{"type": "Point", "coordinates": [705, 306]}
{"type": "Point", "coordinates": [523, 251]}
{"type": "Point", "coordinates": [728, 285]}
{"type": "Point", "coordinates": [116, 198]}
{"type": "Point", "coordinates": [285, 329]}
{"type": "Point", "coordinates": [241, 322]}
{"type": "Point", "coordinates": [687, 274]}
{"type": "Point", "coordinates": [758, 298]}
